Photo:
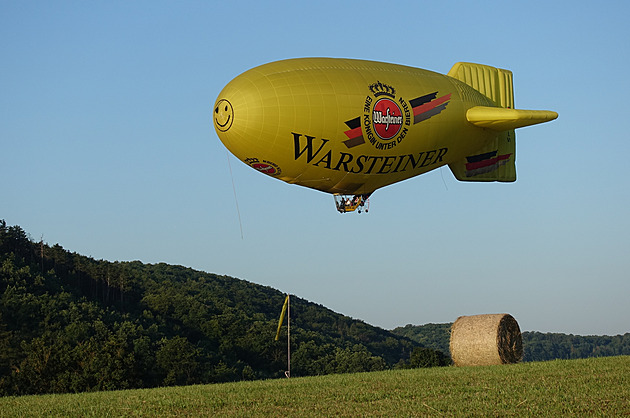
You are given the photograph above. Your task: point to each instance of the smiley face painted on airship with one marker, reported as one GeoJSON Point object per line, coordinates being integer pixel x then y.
{"type": "Point", "coordinates": [223, 115]}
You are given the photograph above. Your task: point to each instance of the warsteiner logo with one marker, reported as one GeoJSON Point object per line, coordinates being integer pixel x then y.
{"type": "Point", "coordinates": [264, 166]}
{"type": "Point", "coordinates": [383, 118]}
{"type": "Point", "coordinates": [386, 120]}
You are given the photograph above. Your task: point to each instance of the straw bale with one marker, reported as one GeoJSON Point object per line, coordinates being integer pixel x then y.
{"type": "Point", "coordinates": [484, 340]}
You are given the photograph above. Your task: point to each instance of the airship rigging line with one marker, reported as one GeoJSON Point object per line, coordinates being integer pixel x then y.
{"type": "Point", "coordinates": [238, 212]}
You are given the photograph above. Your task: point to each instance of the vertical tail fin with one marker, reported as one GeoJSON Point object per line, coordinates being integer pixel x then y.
{"type": "Point", "coordinates": [495, 83]}
{"type": "Point", "coordinates": [496, 161]}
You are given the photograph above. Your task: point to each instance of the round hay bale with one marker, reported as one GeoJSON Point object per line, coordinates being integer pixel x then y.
{"type": "Point", "coordinates": [485, 340]}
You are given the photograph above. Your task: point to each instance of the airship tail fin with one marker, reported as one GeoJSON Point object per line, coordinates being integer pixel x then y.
{"type": "Point", "coordinates": [495, 83]}
{"type": "Point", "coordinates": [501, 119]}
{"type": "Point", "coordinates": [496, 161]}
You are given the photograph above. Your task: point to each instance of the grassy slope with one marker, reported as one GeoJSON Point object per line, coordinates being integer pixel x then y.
{"type": "Point", "coordinates": [590, 387]}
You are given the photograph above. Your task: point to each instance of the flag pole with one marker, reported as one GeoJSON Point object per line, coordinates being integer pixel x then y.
{"type": "Point", "coordinates": [288, 336]}
{"type": "Point", "coordinates": [286, 309]}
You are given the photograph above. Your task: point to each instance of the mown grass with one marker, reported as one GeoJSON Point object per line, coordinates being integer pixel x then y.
{"type": "Point", "coordinates": [591, 387]}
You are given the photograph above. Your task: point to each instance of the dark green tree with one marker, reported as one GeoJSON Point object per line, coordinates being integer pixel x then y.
{"type": "Point", "coordinates": [177, 358]}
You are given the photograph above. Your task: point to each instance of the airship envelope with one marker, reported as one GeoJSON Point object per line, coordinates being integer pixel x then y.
{"type": "Point", "coordinates": [349, 127]}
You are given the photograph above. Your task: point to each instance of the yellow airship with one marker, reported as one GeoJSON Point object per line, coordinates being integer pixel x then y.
{"type": "Point", "coordinates": [349, 127]}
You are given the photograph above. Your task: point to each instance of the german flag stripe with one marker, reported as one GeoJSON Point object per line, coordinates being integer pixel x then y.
{"type": "Point", "coordinates": [431, 105]}
{"type": "Point", "coordinates": [354, 123]}
{"type": "Point", "coordinates": [422, 100]}
{"type": "Point", "coordinates": [353, 133]}
{"type": "Point", "coordinates": [353, 142]}
{"type": "Point", "coordinates": [501, 159]}
{"type": "Point", "coordinates": [481, 157]}
{"type": "Point", "coordinates": [429, 113]}
{"type": "Point", "coordinates": [485, 170]}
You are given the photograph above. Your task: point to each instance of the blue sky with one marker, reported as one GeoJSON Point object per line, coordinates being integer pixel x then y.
{"type": "Point", "coordinates": [108, 148]}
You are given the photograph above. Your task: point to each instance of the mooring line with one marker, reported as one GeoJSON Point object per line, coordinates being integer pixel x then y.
{"type": "Point", "coordinates": [238, 212]}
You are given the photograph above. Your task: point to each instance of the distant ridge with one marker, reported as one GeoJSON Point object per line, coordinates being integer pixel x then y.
{"type": "Point", "coordinates": [537, 346]}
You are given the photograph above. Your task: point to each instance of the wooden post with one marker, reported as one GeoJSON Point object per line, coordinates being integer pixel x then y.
{"type": "Point", "coordinates": [288, 336]}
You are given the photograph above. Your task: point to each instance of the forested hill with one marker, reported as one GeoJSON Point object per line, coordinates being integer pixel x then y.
{"type": "Point", "coordinates": [537, 346]}
{"type": "Point", "coordinates": [70, 323]}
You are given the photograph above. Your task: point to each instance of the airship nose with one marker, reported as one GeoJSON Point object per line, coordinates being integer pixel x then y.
{"type": "Point", "coordinates": [243, 113]}
{"type": "Point", "coordinates": [223, 115]}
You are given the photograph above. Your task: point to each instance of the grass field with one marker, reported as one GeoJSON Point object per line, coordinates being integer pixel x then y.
{"type": "Point", "coordinates": [591, 387]}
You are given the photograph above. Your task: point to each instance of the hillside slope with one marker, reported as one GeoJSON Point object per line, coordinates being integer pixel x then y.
{"type": "Point", "coordinates": [70, 323]}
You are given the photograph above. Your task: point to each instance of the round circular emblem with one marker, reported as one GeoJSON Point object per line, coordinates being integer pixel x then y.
{"type": "Point", "coordinates": [387, 118]}
{"type": "Point", "coordinates": [264, 168]}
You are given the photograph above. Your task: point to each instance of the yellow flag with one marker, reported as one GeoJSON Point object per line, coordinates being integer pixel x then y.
{"type": "Point", "coordinates": [284, 311]}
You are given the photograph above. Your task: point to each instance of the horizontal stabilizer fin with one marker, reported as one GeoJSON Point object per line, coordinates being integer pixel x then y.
{"type": "Point", "coordinates": [502, 119]}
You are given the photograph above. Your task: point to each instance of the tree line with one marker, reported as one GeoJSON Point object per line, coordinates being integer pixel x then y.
{"type": "Point", "coordinates": [537, 346]}
{"type": "Point", "coordinates": [70, 323]}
